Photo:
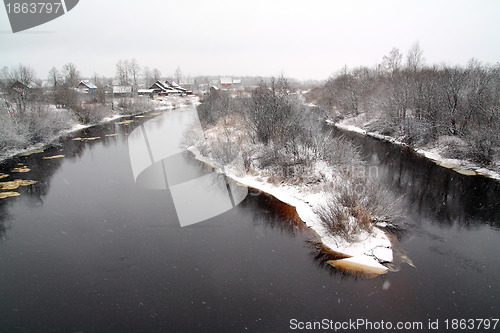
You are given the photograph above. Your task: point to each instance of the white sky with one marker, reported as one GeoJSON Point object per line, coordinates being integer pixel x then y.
{"type": "Point", "coordinates": [302, 39]}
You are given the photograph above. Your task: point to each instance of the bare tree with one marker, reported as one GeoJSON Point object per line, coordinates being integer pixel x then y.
{"type": "Point", "coordinates": [178, 75]}
{"type": "Point", "coordinates": [122, 72]}
{"type": "Point", "coordinates": [147, 77]}
{"type": "Point", "coordinates": [156, 74]}
{"type": "Point", "coordinates": [26, 76]}
{"type": "Point", "coordinates": [414, 58]}
{"type": "Point", "coordinates": [392, 62]}
{"type": "Point", "coordinates": [5, 76]}
{"type": "Point", "coordinates": [71, 75]}
{"type": "Point", "coordinates": [23, 74]}
{"type": "Point", "coordinates": [54, 77]}
{"type": "Point", "coordinates": [100, 94]}
{"type": "Point", "coordinates": [452, 84]}
{"type": "Point", "coordinates": [134, 69]}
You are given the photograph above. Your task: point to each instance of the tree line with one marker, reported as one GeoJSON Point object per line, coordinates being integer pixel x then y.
{"type": "Point", "coordinates": [453, 105]}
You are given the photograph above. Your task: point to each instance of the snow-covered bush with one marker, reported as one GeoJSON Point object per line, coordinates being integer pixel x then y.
{"type": "Point", "coordinates": [453, 146]}
{"type": "Point", "coordinates": [342, 215]}
{"type": "Point", "coordinates": [135, 105]}
{"type": "Point", "coordinates": [416, 131]}
{"type": "Point", "coordinates": [43, 124]}
{"type": "Point", "coordinates": [10, 138]}
{"type": "Point", "coordinates": [216, 105]}
{"type": "Point", "coordinates": [36, 123]}
{"type": "Point", "coordinates": [92, 113]}
{"type": "Point", "coordinates": [355, 205]}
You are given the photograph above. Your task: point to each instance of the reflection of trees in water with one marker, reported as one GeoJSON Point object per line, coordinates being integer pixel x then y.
{"type": "Point", "coordinates": [4, 220]}
{"type": "Point", "coordinates": [432, 191]}
{"type": "Point", "coordinates": [42, 170]}
{"type": "Point", "coordinates": [271, 213]}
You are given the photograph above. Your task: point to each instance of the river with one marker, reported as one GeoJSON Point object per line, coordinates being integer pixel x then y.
{"type": "Point", "coordinates": [91, 248]}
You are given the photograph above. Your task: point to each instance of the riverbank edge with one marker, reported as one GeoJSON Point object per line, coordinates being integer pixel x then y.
{"type": "Point", "coordinates": [454, 164]}
{"type": "Point", "coordinates": [368, 253]}
{"type": "Point", "coordinates": [75, 128]}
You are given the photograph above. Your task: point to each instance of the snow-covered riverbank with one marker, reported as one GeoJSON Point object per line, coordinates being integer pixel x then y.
{"type": "Point", "coordinates": [366, 253]}
{"type": "Point", "coordinates": [434, 153]}
{"type": "Point", "coordinates": [166, 103]}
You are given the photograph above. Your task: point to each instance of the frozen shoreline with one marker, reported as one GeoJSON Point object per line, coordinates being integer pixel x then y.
{"type": "Point", "coordinates": [160, 105]}
{"type": "Point", "coordinates": [367, 253]}
{"type": "Point", "coordinates": [75, 128]}
{"type": "Point", "coordinates": [460, 166]}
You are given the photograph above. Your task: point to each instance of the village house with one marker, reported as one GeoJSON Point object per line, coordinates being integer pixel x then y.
{"type": "Point", "coordinates": [226, 82]}
{"type": "Point", "coordinates": [122, 91]}
{"type": "Point", "coordinates": [20, 88]}
{"type": "Point", "coordinates": [86, 86]}
{"type": "Point", "coordinates": [165, 88]}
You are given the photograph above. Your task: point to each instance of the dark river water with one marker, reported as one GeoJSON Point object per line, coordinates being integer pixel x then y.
{"type": "Point", "coordinates": [88, 249]}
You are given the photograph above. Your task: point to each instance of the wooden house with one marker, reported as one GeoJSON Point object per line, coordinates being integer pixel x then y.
{"type": "Point", "coordinates": [165, 88]}
{"type": "Point", "coordinates": [226, 82]}
{"type": "Point", "coordinates": [86, 86]}
{"type": "Point", "coordinates": [122, 91]}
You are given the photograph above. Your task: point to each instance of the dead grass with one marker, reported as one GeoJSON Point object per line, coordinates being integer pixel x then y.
{"type": "Point", "coordinates": [13, 185]}
{"type": "Point", "coordinates": [86, 139]}
{"type": "Point", "coordinates": [344, 222]}
{"type": "Point", "coordinates": [353, 207]}
{"type": "Point", "coordinates": [53, 157]}
{"type": "Point", "coordinates": [125, 122]}
{"type": "Point", "coordinates": [22, 169]}
{"type": "Point", "coordinates": [29, 153]}
{"type": "Point", "coordinates": [4, 195]}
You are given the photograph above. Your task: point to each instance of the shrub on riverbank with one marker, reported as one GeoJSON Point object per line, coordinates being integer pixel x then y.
{"type": "Point", "coordinates": [134, 105]}
{"type": "Point", "coordinates": [36, 123]}
{"type": "Point", "coordinates": [92, 113]}
{"type": "Point", "coordinates": [342, 215]}
{"type": "Point", "coordinates": [356, 205]}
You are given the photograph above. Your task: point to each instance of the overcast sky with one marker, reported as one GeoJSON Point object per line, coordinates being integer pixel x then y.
{"type": "Point", "coordinates": [302, 39]}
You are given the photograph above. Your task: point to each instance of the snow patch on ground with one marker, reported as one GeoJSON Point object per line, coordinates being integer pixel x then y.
{"type": "Point", "coordinates": [358, 263]}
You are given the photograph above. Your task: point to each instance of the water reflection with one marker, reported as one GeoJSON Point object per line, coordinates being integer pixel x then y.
{"type": "Point", "coordinates": [41, 166]}
{"type": "Point", "coordinates": [159, 161]}
{"type": "Point", "coordinates": [4, 220]}
{"type": "Point", "coordinates": [271, 213]}
{"type": "Point", "coordinates": [442, 195]}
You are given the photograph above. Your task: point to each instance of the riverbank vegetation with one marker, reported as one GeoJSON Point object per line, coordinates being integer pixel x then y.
{"type": "Point", "coordinates": [280, 140]}
{"type": "Point", "coordinates": [455, 109]}
{"type": "Point", "coordinates": [32, 114]}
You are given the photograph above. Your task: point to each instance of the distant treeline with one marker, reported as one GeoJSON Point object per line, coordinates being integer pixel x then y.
{"type": "Point", "coordinates": [422, 104]}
